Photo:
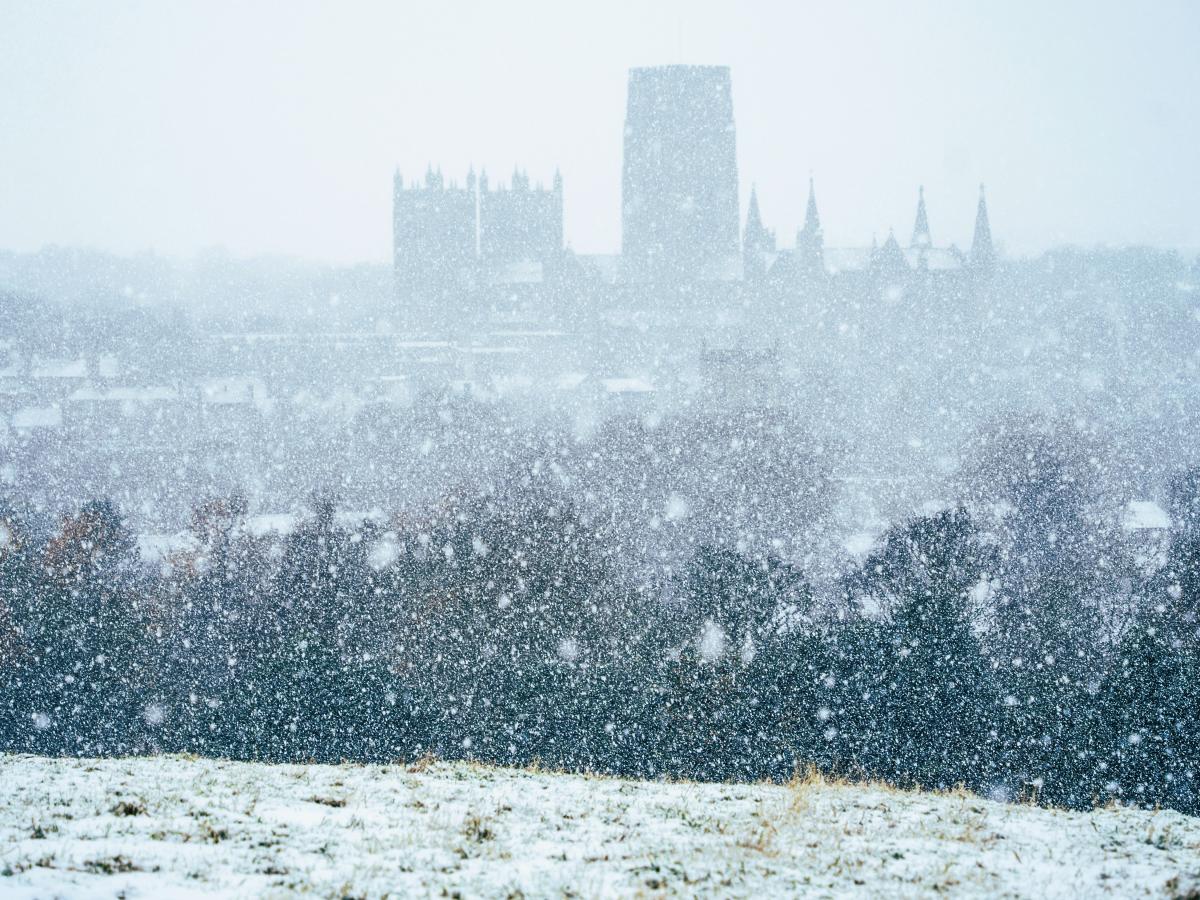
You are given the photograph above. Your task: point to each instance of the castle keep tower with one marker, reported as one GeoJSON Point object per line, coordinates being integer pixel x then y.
{"type": "Point", "coordinates": [680, 214]}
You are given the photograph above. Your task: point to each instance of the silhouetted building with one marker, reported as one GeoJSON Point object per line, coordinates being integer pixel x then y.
{"type": "Point", "coordinates": [758, 244]}
{"type": "Point", "coordinates": [680, 216]}
{"type": "Point", "coordinates": [921, 238]}
{"type": "Point", "coordinates": [983, 253]}
{"type": "Point", "coordinates": [889, 262]}
{"type": "Point", "coordinates": [520, 224]}
{"type": "Point", "coordinates": [465, 253]}
{"type": "Point", "coordinates": [810, 240]}
{"type": "Point", "coordinates": [434, 240]}
{"type": "Point", "coordinates": [449, 242]}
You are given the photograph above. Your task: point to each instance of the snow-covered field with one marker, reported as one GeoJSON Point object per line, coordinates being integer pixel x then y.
{"type": "Point", "coordinates": [176, 827]}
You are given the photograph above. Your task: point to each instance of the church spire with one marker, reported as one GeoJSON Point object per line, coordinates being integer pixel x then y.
{"type": "Point", "coordinates": [888, 261]}
{"type": "Point", "coordinates": [812, 221]}
{"type": "Point", "coordinates": [920, 235]}
{"type": "Point", "coordinates": [983, 253]}
{"type": "Point", "coordinates": [754, 225]}
{"type": "Point", "coordinates": [757, 242]}
{"type": "Point", "coordinates": [810, 242]}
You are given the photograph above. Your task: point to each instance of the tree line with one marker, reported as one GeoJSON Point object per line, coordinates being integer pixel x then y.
{"type": "Point", "coordinates": [1017, 648]}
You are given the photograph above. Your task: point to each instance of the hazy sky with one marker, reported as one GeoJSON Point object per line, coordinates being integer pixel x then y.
{"type": "Point", "coordinates": [275, 127]}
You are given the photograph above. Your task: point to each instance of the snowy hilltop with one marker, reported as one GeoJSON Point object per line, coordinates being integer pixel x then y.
{"type": "Point", "coordinates": [174, 826]}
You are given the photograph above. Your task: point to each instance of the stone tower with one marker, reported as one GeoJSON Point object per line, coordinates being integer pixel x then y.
{"type": "Point", "coordinates": [433, 240]}
{"type": "Point", "coordinates": [680, 213]}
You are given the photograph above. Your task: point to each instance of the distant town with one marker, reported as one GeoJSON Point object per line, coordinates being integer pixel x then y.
{"type": "Point", "coordinates": [490, 338]}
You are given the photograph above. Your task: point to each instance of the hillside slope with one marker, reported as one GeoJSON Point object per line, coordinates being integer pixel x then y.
{"type": "Point", "coordinates": [173, 827]}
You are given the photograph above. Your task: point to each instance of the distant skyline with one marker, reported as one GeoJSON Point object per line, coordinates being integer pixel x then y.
{"type": "Point", "coordinates": [273, 129]}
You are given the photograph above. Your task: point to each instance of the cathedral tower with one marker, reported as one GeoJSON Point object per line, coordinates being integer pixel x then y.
{"type": "Point", "coordinates": [521, 223]}
{"type": "Point", "coordinates": [433, 240]}
{"type": "Point", "coordinates": [680, 213]}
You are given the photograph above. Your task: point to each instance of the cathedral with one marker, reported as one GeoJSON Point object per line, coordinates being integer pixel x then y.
{"type": "Point", "coordinates": [462, 251]}
{"type": "Point", "coordinates": [679, 187]}
{"type": "Point", "coordinates": [451, 243]}
{"type": "Point", "coordinates": [810, 262]}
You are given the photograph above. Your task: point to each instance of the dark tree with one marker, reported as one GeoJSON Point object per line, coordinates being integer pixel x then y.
{"type": "Point", "coordinates": [935, 711]}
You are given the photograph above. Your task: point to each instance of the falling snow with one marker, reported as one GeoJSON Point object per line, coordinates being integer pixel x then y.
{"type": "Point", "coordinates": [916, 515]}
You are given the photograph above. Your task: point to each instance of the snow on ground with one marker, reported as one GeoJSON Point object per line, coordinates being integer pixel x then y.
{"type": "Point", "coordinates": [179, 827]}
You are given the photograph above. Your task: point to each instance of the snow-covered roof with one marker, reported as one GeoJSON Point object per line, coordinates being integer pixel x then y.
{"type": "Point", "coordinates": [509, 384]}
{"type": "Point", "coordinates": [529, 333]}
{"type": "Point", "coordinates": [609, 268]}
{"type": "Point", "coordinates": [627, 386]}
{"type": "Point", "coordinates": [85, 394]}
{"type": "Point", "coordinates": [108, 366]}
{"type": "Point", "coordinates": [840, 259]}
{"type": "Point", "coordinates": [857, 259]}
{"type": "Point", "coordinates": [272, 523]}
{"type": "Point", "coordinates": [524, 272]}
{"type": "Point", "coordinates": [491, 351]}
{"type": "Point", "coordinates": [235, 389]}
{"type": "Point", "coordinates": [157, 547]}
{"type": "Point", "coordinates": [37, 417]}
{"type": "Point", "coordinates": [1144, 515]}
{"type": "Point", "coordinates": [149, 394]}
{"type": "Point", "coordinates": [605, 266]}
{"type": "Point", "coordinates": [935, 258]}
{"type": "Point", "coordinates": [568, 381]}
{"type": "Point", "coordinates": [59, 368]}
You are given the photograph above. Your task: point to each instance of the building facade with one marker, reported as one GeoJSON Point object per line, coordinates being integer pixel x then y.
{"type": "Point", "coordinates": [461, 252]}
{"type": "Point", "coordinates": [680, 218]}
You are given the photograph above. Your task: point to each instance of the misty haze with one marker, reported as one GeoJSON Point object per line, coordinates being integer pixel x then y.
{"type": "Point", "coordinates": [532, 451]}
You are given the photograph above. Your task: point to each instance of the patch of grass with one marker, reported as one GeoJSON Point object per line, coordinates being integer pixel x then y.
{"type": "Point", "coordinates": [213, 835]}
{"type": "Point", "coordinates": [477, 829]}
{"type": "Point", "coordinates": [111, 865]}
{"type": "Point", "coordinates": [762, 838]}
{"type": "Point", "coordinates": [1162, 838]}
{"type": "Point", "coordinates": [423, 763]}
{"type": "Point", "coordinates": [129, 808]}
{"type": "Point", "coordinates": [335, 802]}
{"type": "Point", "coordinates": [39, 832]}
{"type": "Point", "coordinates": [802, 785]}
{"type": "Point", "coordinates": [1178, 889]}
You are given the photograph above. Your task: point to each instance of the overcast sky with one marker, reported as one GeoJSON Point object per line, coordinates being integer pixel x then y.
{"type": "Point", "coordinates": [275, 127]}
